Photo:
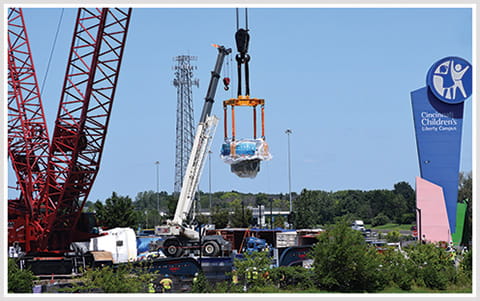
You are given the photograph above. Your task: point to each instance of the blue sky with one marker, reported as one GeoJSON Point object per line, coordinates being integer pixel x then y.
{"type": "Point", "coordinates": [339, 78]}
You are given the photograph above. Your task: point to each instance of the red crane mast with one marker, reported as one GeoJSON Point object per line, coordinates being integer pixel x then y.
{"type": "Point", "coordinates": [80, 129]}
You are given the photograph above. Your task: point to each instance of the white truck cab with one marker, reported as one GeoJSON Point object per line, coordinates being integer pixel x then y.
{"type": "Point", "coordinates": [358, 225]}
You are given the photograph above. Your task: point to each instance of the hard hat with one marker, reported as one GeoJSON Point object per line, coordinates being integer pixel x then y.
{"type": "Point", "coordinates": [166, 275]}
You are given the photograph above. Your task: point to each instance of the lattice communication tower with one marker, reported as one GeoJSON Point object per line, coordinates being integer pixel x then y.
{"type": "Point", "coordinates": [185, 120]}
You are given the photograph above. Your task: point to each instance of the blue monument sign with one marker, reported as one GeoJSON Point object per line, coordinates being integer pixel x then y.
{"type": "Point", "coordinates": [438, 116]}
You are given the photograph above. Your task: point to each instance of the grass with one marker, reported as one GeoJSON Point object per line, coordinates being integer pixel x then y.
{"type": "Point", "coordinates": [389, 290]}
{"type": "Point", "coordinates": [398, 227]}
{"type": "Point", "coordinates": [423, 290]}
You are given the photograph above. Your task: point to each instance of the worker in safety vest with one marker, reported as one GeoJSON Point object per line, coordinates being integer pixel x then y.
{"type": "Point", "coordinates": [166, 284]}
{"type": "Point", "coordinates": [151, 288]}
{"type": "Point", "coordinates": [452, 255]}
{"type": "Point", "coordinates": [234, 277]}
{"type": "Point", "coordinates": [254, 274]}
{"type": "Point", "coordinates": [195, 278]}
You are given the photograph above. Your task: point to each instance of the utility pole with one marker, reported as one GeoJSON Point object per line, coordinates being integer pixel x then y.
{"type": "Point", "coordinates": [260, 215]}
{"type": "Point", "coordinates": [210, 184]}
{"type": "Point", "coordinates": [289, 132]}
{"type": "Point", "coordinates": [157, 163]}
{"type": "Point", "coordinates": [243, 215]}
{"type": "Point", "coordinates": [271, 213]}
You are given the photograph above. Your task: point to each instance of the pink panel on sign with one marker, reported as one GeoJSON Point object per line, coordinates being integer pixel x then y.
{"type": "Point", "coordinates": [434, 221]}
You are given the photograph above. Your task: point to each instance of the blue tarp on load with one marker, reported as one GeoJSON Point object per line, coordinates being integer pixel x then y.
{"type": "Point", "coordinates": [244, 156]}
{"type": "Point", "coordinates": [242, 148]}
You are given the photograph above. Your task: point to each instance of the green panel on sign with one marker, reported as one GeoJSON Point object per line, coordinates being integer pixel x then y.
{"type": "Point", "coordinates": [461, 211]}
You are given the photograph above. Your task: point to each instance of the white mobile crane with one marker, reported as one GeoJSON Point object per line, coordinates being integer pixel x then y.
{"type": "Point", "coordinates": [179, 237]}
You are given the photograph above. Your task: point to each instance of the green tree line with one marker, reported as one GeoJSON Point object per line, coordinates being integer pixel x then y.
{"type": "Point", "coordinates": [315, 208]}
{"type": "Point", "coordinates": [311, 208]}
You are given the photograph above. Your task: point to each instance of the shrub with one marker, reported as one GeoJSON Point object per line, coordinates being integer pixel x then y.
{"type": "Point", "coordinates": [343, 262]}
{"type": "Point", "coordinates": [393, 236]}
{"type": "Point", "coordinates": [408, 218]}
{"type": "Point", "coordinates": [398, 269]}
{"type": "Point", "coordinates": [464, 275]}
{"type": "Point", "coordinates": [115, 279]}
{"type": "Point", "coordinates": [380, 219]}
{"type": "Point", "coordinates": [200, 285]}
{"type": "Point", "coordinates": [251, 268]}
{"type": "Point", "coordinates": [19, 281]}
{"type": "Point", "coordinates": [431, 266]}
{"type": "Point", "coordinates": [466, 264]}
{"type": "Point", "coordinates": [293, 276]}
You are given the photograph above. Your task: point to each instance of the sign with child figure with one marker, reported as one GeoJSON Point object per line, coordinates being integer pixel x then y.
{"type": "Point", "coordinates": [438, 119]}
{"type": "Point", "coordinates": [450, 80]}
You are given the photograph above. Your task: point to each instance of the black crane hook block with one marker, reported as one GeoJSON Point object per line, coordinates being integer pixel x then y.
{"type": "Point", "coordinates": [242, 38]}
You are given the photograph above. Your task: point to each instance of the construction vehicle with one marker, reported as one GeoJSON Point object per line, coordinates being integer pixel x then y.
{"type": "Point", "coordinates": [255, 244]}
{"type": "Point", "coordinates": [179, 237]}
{"type": "Point", "coordinates": [55, 177]}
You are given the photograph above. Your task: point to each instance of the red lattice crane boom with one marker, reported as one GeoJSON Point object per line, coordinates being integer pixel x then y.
{"type": "Point", "coordinates": [83, 115]}
{"type": "Point", "coordinates": [28, 142]}
{"type": "Point", "coordinates": [80, 129]}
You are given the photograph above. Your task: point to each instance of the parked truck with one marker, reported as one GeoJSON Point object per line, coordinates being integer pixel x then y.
{"type": "Point", "coordinates": [120, 242]}
{"type": "Point", "coordinates": [358, 225]}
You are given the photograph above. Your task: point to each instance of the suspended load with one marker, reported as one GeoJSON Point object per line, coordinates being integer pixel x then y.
{"type": "Point", "coordinates": [244, 155]}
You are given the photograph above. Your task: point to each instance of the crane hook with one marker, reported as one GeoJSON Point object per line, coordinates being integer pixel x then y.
{"type": "Point", "coordinates": [226, 83]}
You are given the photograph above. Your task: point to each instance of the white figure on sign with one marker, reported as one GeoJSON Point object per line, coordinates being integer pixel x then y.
{"type": "Point", "coordinates": [448, 77]}
{"type": "Point", "coordinates": [442, 80]}
{"type": "Point", "coordinates": [457, 73]}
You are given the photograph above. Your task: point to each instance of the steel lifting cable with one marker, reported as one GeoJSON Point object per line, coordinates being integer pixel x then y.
{"type": "Point", "coordinates": [230, 72]}
{"type": "Point", "coordinates": [246, 18]}
{"type": "Point", "coordinates": [52, 50]}
{"type": "Point", "coordinates": [236, 10]}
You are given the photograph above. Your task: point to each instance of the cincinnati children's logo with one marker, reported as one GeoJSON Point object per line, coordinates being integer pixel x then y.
{"type": "Point", "coordinates": [450, 80]}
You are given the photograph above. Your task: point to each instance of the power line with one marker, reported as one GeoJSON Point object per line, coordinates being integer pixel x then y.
{"type": "Point", "coordinates": [51, 52]}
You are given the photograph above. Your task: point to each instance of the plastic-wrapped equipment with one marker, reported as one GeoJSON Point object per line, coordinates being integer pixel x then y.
{"type": "Point", "coordinates": [244, 156]}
